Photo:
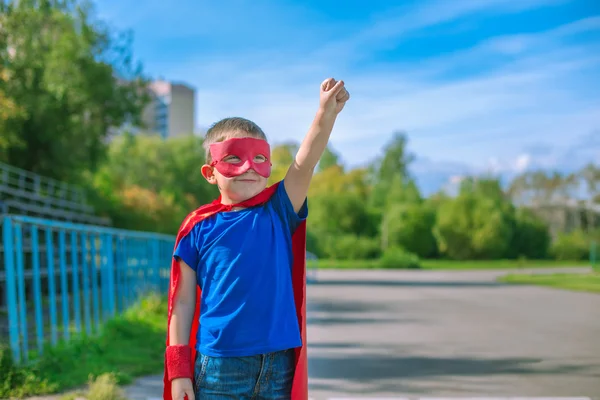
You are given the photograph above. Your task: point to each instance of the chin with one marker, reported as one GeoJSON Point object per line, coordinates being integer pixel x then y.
{"type": "Point", "coordinates": [247, 192]}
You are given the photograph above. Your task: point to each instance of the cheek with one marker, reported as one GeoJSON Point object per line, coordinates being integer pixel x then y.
{"type": "Point", "coordinates": [223, 181]}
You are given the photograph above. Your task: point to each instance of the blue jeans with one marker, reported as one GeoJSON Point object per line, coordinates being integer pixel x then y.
{"type": "Point", "coordinates": [266, 376]}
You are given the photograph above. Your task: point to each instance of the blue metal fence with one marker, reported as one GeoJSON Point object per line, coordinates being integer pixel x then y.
{"type": "Point", "coordinates": [84, 273]}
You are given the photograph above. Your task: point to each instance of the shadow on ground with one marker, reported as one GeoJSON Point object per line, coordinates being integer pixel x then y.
{"type": "Point", "coordinates": [365, 367]}
{"type": "Point", "coordinates": [395, 373]}
{"type": "Point", "coordinates": [407, 283]}
{"type": "Point", "coordinates": [338, 312]}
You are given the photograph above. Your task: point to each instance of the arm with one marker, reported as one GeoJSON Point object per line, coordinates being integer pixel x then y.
{"type": "Point", "coordinates": [297, 180]}
{"type": "Point", "coordinates": [181, 324]}
{"type": "Point", "coordinates": [184, 307]}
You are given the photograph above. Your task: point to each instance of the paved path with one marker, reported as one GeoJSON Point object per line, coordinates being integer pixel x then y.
{"type": "Point", "coordinates": [418, 334]}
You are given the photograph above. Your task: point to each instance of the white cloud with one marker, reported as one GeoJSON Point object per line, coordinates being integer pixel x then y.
{"type": "Point", "coordinates": [456, 179]}
{"type": "Point", "coordinates": [522, 162]}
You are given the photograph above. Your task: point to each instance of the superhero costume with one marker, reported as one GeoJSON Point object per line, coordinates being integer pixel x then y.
{"type": "Point", "coordinates": [251, 147]}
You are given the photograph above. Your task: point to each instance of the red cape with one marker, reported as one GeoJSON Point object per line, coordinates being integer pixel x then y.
{"type": "Point", "coordinates": [300, 385]}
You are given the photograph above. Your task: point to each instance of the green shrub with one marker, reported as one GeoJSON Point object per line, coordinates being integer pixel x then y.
{"type": "Point", "coordinates": [410, 226]}
{"type": "Point", "coordinates": [351, 247]}
{"type": "Point", "coordinates": [17, 381]}
{"type": "Point", "coordinates": [399, 258]}
{"type": "Point", "coordinates": [531, 238]}
{"type": "Point", "coordinates": [105, 387]}
{"type": "Point", "coordinates": [571, 246]}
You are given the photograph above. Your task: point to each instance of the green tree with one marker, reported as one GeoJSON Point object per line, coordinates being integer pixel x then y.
{"type": "Point", "coordinates": [333, 214]}
{"type": "Point", "coordinates": [411, 227]}
{"type": "Point", "coordinates": [343, 226]}
{"type": "Point", "coordinates": [590, 175]}
{"type": "Point", "coordinates": [329, 159]}
{"type": "Point", "coordinates": [390, 169]}
{"type": "Point", "coordinates": [282, 157]}
{"type": "Point", "coordinates": [574, 245]}
{"type": "Point", "coordinates": [172, 165]}
{"type": "Point", "coordinates": [10, 113]}
{"type": "Point", "coordinates": [74, 80]}
{"type": "Point", "coordinates": [150, 182]}
{"type": "Point", "coordinates": [531, 238]}
{"type": "Point", "coordinates": [400, 196]}
{"type": "Point", "coordinates": [478, 223]}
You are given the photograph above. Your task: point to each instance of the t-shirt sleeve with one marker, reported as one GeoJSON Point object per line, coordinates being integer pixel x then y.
{"type": "Point", "coordinates": [187, 249]}
{"type": "Point", "coordinates": [284, 208]}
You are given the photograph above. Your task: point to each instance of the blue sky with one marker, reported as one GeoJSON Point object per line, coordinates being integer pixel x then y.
{"type": "Point", "coordinates": [478, 85]}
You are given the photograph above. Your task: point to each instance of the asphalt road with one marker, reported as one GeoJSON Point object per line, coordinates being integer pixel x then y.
{"type": "Point", "coordinates": [453, 334]}
{"type": "Point", "coordinates": [456, 334]}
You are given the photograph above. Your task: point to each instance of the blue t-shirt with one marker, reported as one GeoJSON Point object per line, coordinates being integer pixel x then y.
{"type": "Point", "coordinates": [243, 262]}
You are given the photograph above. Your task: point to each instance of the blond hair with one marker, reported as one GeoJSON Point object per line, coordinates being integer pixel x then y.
{"type": "Point", "coordinates": [228, 128]}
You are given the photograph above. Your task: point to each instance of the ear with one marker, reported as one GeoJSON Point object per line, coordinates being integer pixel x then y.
{"type": "Point", "coordinates": [208, 174]}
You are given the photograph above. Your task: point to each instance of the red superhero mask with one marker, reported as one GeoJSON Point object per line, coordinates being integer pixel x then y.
{"type": "Point", "coordinates": [246, 150]}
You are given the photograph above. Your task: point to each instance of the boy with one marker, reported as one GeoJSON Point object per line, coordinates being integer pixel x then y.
{"type": "Point", "coordinates": [239, 251]}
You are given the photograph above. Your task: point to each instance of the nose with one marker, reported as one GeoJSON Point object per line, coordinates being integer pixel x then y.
{"type": "Point", "coordinates": [249, 169]}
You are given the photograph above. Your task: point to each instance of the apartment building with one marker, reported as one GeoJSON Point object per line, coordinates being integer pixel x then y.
{"type": "Point", "coordinates": [172, 109]}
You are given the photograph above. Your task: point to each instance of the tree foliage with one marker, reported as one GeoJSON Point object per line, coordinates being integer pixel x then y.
{"type": "Point", "coordinates": [66, 81]}
{"type": "Point", "coordinates": [151, 184]}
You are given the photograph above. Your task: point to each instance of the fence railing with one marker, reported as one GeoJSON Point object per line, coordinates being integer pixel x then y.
{"type": "Point", "coordinates": [61, 279]}
{"type": "Point", "coordinates": [20, 179]}
{"type": "Point", "coordinates": [23, 192]}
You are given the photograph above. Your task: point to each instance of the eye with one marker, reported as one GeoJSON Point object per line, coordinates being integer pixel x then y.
{"type": "Point", "coordinates": [260, 158]}
{"type": "Point", "coordinates": [232, 159]}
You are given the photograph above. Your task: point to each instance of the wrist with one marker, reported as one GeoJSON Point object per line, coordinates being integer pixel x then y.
{"type": "Point", "coordinates": [179, 361]}
{"type": "Point", "coordinates": [326, 115]}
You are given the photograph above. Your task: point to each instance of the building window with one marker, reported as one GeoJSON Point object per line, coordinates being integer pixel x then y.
{"type": "Point", "coordinates": [162, 115]}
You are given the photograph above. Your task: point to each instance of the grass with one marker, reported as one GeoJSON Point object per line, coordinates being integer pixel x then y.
{"type": "Point", "coordinates": [451, 264]}
{"type": "Point", "coordinates": [577, 282]}
{"type": "Point", "coordinates": [104, 387]}
{"type": "Point", "coordinates": [128, 346]}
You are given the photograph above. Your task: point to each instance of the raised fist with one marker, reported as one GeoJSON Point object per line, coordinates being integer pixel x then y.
{"type": "Point", "coordinates": [333, 95]}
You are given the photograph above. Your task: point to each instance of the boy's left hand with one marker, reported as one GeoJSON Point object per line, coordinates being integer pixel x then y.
{"type": "Point", "coordinates": [333, 95]}
{"type": "Point", "coordinates": [333, 98]}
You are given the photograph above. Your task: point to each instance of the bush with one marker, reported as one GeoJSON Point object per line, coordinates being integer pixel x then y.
{"type": "Point", "coordinates": [312, 243]}
{"type": "Point", "coordinates": [350, 247]}
{"type": "Point", "coordinates": [105, 388]}
{"type": "Point", "coordinates": [399, 258]}
{"type": "Point", "coordinates": [410, 226]}
{"type": "Point", "coordinates": [571, 246]}
{"type": "Point", "coordinates": [18, 381]}
{"type": "Point", "coordinates": [531, 237]}
{"type": "Point", "coordinates": [477, 224]}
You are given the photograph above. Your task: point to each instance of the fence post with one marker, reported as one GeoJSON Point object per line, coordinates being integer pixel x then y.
{"type": "Point", "coordinates": [64, 286]}
{"type": "Point", "coordinates": [156, 264]}
{"type": "Point", "coordinates": [37, 288]}
{"type": "Point", "coordinates": [110, 273]}
{"type": "Point", "coordinates": [104, 284]}
{"type": "Point", "coordinates": [75, 277]}
{"type": "Point", "coordinates": [22, 304]}
{"type": "Point", "coordinates": [51, 285]}
{"type": "Point", "coordinates": [11, 290]}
